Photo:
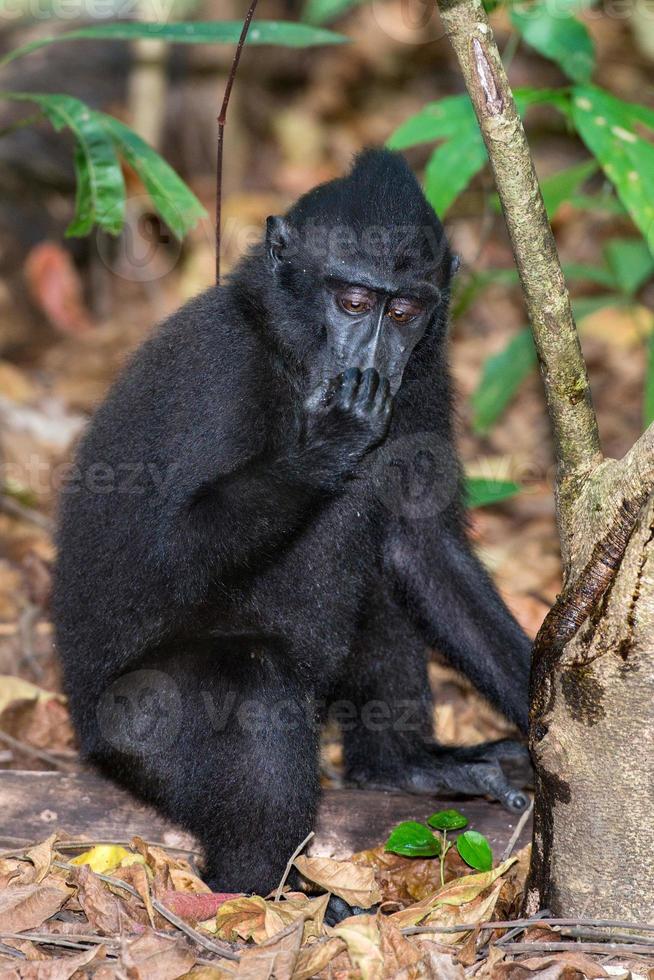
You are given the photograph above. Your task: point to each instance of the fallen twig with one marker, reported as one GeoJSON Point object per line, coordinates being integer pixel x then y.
{"type": "Point", "coordinates": [35, 753]}
{"type": "Point", "coordinates": [515, 837]}
{"type": "Point", "coordinates": [287, 871]}
{"type": "Point", "coordinates": [533, 921]}
{"type": "Point", "coordinates": [220, 949]}
{"type": "Point", "coordinates": [607, 949]}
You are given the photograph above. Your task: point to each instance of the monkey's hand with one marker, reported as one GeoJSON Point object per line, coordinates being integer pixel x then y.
{"type": "Point", "coordinates": [346, 416]}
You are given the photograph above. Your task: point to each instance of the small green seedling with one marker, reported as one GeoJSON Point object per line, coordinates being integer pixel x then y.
{"type": "Point", "coordinates": [413, 839]}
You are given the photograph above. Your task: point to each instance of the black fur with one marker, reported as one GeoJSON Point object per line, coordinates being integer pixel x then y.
{"type": "Point", "coordinates": [242, 546]}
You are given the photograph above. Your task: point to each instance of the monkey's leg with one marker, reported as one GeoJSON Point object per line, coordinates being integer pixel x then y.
{"type": "Point", "coordinates": [226, 745]}
{"type": "Point", "coordinates": [385, 712]}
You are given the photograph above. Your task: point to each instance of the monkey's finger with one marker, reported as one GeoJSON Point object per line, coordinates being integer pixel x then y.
{"type": "Point", "coordinates": [383, 398]}
{"type": "Point", "coordinates": [369, 385]}
{"type": "Point", "coordinates": [350, 381]}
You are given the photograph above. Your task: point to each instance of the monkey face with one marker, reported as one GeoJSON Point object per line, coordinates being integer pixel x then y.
{"type": "Point", "coordinates": [375, 324]}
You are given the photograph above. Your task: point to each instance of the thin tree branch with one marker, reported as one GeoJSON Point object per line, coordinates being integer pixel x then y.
{"type": "Point", "coordinates": [222, 118]}
{"type": "Point", "coordinates": [555, 335]}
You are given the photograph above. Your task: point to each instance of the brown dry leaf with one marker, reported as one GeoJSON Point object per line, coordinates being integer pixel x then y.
{"type": "Point", "coordinates": [314, 958]}
{"type": "Point", "coordinates": [400, 879]}
{"type": "Point", "coordinates": [211, 972]}
{"type": "Point", "coordinates": [136, 875]}
{"type": "Point", "coordinates": [59, 968]}
{"type": "Point", "coordinates": [440, 964]}
{"type": "Point", "coordinates": [16, 689]}
{"type": "Point", "coordinates": [186, 881]}
{"type": "Point", "coordinates": [352, 882]}
{"type": "Point", "coordinates": [478, 911]}
{"type": "Point", "coordinates": [275, 960]}
{"type": "Point", "coordinates": [25, 907]}
{"type": "Point", "coordinates": [399, 955]}
{"type": "Point", "coordinates": [107, 914]}
{"type": "Point", "coordinates": [253, 917]}
{"type": "Point", "coordinates": [31, 867]}
{"type": "Point", "coordinates": [40, 856]}
{"type": "Point", "coordinates": [44, 723]}
{"type": "Point", "coordinates": [562, 966]}
{"type": "Point", "coordinates": [363, 941]}
{"type": "Point", "coordinates": [456, 893]}
{"type": "Point", "coordinates": [150, 957]}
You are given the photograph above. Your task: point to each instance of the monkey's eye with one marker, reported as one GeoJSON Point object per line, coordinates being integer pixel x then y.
{"type": "Point", "coordinates": [356, 300]}
{"type": "Point", "coordinates": [403, 310]}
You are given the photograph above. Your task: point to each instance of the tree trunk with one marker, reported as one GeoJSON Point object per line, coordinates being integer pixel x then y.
{"type": "Point", "coordinates": [592, 712]}
{"type": "Point", "coordinates": [592, 742]}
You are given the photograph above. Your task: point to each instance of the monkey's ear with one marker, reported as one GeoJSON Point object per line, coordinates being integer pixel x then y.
{"type": "Point", "coordinates": [278, 236]}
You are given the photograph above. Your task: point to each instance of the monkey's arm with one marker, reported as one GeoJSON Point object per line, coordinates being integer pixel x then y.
{"type": "Point", "coordinates": [243, 515]}
{"type": "Point", "coordinates": [452, 599]}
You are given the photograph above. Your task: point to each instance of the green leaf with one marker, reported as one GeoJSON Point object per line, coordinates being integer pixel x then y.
{"type": "Point", "coordinates": [648, 399]}
{"type": "Point", "coordinates": [561, 186]}
{"type": "Point", "coordinates": [100, 185]}
{"type": "Point", "coordinates": [452, 116]}
{"type": "Point", "coordinates": [503, 374]}
{"type": "Point", "coordinates": [631, 262]}
{"type": "Point", "coordinates": [608, 127]}
{"type": "Point", "coordinates": [322, 11]}
{"type": "Point", "coordinates": [475, 850]}
{"type": "Point", "coordinates": [599, 202]}
{"type": "Point", "coordinates": [559, 37]}
{"type": "Point", "coordinates": [450, 170]}
{"type": "Point", "coordinates": [480, 492]}
{"type": "Point", "coordinates": [175, 202]}
{"type": "Point", "coordinates": [286, 33]}
{"type": "Point", "coordinates": [413, 839]}
{"type": "Point", "coordinates": [598, 274]}
{"type": "Point", "coordinates": [447, 820]}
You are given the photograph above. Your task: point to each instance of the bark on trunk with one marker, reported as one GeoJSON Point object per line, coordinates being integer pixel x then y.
{"type": "Point", "coordinates": [592, 719]}
{"type": "Point", "coordinates": [592, 741]}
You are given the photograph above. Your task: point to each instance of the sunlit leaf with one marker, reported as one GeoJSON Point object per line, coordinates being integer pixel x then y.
{"type": "Point", "coordinates": [475, 850]}
{"type": "Point", "coordinates": [104, 858]}
{"type": "Point", "coordinates": [481, 492]}
{"type": "Point", "coordinates": [413, 839]}
{"type": "Point", "coordinates": [286, 33]}
{"type": "Point", "coordinates": [449, 171]}
{"type": "Point", "coordinates": [447, 820]}
{"type": "Point", "coordinates": [558, 36]}
{"type": "Point", "coordinates": [609, 128]}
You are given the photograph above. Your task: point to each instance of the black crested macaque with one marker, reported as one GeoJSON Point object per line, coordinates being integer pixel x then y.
{"type": "Point", "coordinates": [264, 523]}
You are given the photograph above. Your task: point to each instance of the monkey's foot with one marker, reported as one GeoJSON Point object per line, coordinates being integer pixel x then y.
{"type": "Point", "coordinates": [472, 771]}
